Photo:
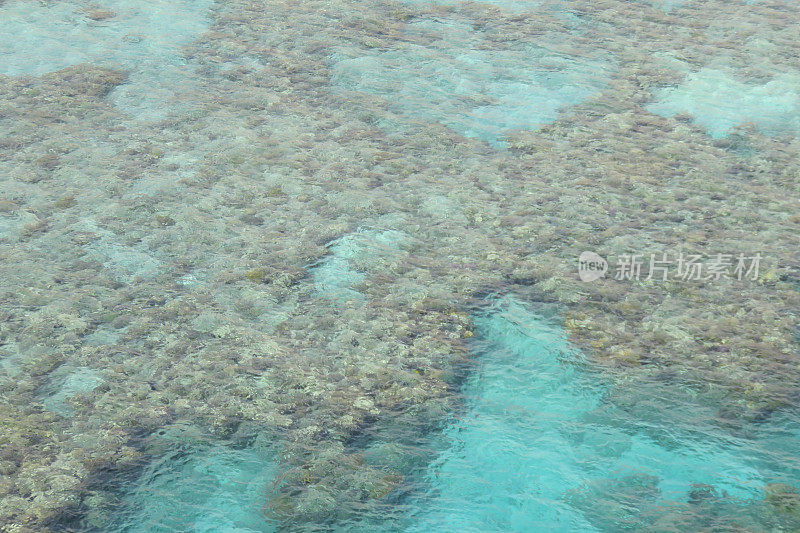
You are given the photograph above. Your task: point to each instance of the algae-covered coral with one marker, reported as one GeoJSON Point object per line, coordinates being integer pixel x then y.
{"type": "Point", "coordinates": [184, 265]}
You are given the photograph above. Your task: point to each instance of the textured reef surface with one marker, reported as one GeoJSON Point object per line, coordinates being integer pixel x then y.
{"type": "Point", "coordinates": [257, 259]}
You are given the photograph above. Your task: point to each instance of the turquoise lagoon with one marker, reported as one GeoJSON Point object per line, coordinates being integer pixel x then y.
{"type": "Point", "coordinates": [478, 92]}
{"type": "Point", "coordinates": [719, 102]}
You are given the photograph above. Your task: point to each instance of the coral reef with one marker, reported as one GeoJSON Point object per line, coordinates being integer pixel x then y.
{"type": "Point", "coordinates": [192, 259]}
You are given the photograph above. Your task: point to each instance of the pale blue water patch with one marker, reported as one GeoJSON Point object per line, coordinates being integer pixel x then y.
{"type": "Point", "coordinates": [508, 5]}
{"type": "Point", "coordinates": [515, 7]}
{"type": "Point", "coordinates": [124, 263]}
{"type": "Point", "coordinates": [65, 383]}
{"type": "Point", "coordinates": [10, 359]}
{"type": "Point", "coordinates": [12, 225]}
{"type": "Point", "coordinates": [460, 81]}
{"type": "Point", "coordinates": [719, 103]}
{"type": "Point", "coordinates": [338, 273]}
{"type": "Point", "coordinates": [103, 336]}
{"type": "Point", "coordinates": [143, 37]}
{"type": "Point", "coordinates": [201, 486]}
{"type": "Point", "coordinates": [543, 447]}
{"type": "Point", "coordinates": [192, 281]}
{"type": "Point", "coordinates": [780, 440]}
{"type": "Point", "coordinates": [13, 357]}
{"type": "Point", "coordinates": [666, 5]}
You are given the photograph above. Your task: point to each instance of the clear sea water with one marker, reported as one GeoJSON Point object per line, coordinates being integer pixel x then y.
{"type": "Point", "coordinates": [310, 245]}
{"type": "Point", "coordinates": [198, 484]}
{"type": "Point", "coordinates": [544, 445]}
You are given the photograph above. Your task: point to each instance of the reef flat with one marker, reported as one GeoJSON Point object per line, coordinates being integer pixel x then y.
{"type": "Point", "coordinates": [281, 249]}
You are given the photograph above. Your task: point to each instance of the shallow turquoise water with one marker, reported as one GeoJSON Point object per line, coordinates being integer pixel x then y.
{"type": "Point", "coordinates": [143, 38]}
{"type": "Point", "coordinates": [66, 383]}
{"type": "Point", "coordinates": [338, 274]}
{"type": "Point", "coordinates": [479, 93]}
{"type": "Point", "coordinates": [719, 103]}
{"type": "Point", "coordinates": [199, 485]}
{"type": "Point", "coordinates": [505, 4]}
{"type": "Point", "coordinates": [542, 444]}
